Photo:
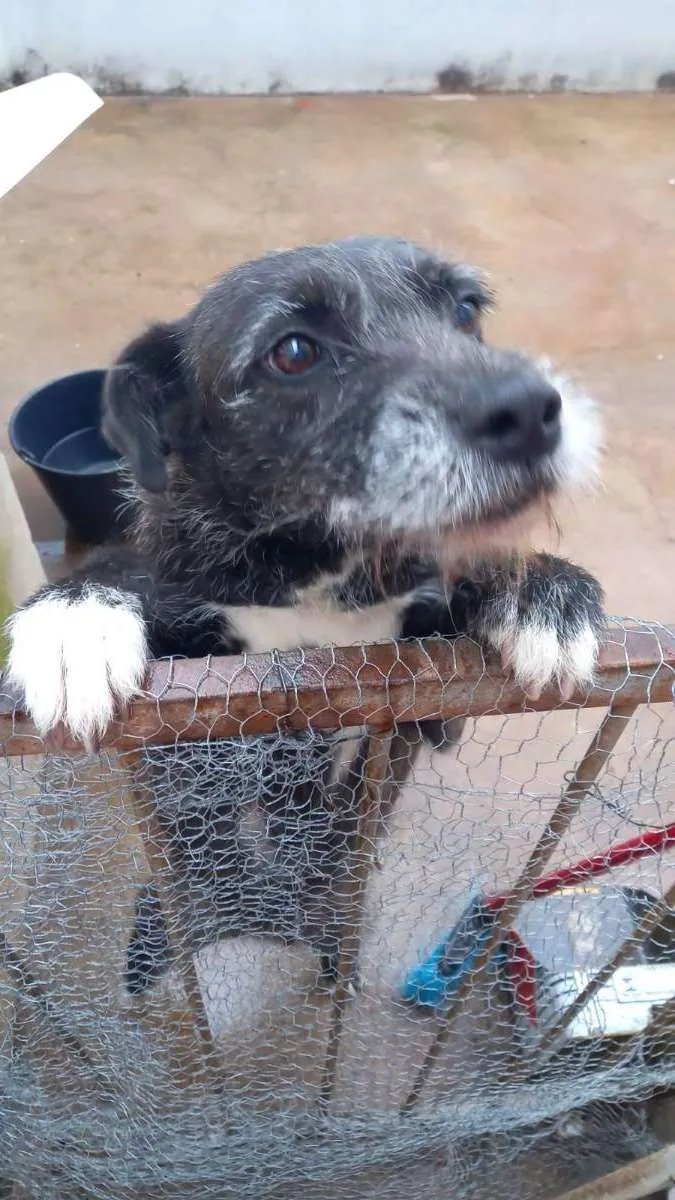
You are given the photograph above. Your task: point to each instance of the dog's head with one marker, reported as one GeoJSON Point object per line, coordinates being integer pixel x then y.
{"type": "Point", "coordinates": [347, 383]}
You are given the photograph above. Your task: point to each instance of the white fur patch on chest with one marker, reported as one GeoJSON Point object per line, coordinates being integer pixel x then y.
{"type": "Point", "coordinates": [315, 620]}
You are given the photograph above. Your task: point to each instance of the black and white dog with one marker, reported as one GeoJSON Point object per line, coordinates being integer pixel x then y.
{"type": "Point", "coordinates": [323, 451]}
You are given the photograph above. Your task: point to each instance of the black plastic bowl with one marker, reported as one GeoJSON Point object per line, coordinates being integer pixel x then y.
{"type": "Point", "coordinates": [57, 431]}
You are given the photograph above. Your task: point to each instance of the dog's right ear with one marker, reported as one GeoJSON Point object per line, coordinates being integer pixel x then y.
{"type": "Point", "coordinates": [138, 393]}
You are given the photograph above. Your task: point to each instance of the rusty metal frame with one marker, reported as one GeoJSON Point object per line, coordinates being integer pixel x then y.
{"type": "Point", "coordinates": [640, 1179]}
{"type": "Point", "coordinates": [595, 759]}
{"type": "Point", "coordinates": [379, 687]}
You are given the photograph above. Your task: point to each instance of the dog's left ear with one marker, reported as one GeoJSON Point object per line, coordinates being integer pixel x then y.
{"type": "Point", "coordinates": [138, 394]}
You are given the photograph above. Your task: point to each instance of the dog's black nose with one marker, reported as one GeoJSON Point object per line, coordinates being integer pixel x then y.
{"type": "Point", "coordinates": [520, 420]}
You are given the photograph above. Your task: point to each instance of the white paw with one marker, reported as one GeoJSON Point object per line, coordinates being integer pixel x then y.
{"type": "Point", "coordinates": [538, 655]}
{"type": "Point", "coordinates": [75, 660]}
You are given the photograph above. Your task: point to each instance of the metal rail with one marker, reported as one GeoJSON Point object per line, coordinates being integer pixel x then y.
{"type": "Point", "coordinates": [378, 686]}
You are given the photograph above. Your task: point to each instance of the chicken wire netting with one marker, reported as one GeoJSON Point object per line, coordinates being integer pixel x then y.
{"type": "Point", "coordinates": [271, 965]}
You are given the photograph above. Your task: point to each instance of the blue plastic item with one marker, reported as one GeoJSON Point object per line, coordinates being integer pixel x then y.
{"type": "Point", "coordinates": [433, 982]}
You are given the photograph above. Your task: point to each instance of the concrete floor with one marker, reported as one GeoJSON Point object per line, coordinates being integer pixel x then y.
{"type": "Point", "coordinates": [568, 202]}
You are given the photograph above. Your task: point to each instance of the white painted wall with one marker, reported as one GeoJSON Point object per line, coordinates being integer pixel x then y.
{"type": "Point", "coordinates": [252, 46]}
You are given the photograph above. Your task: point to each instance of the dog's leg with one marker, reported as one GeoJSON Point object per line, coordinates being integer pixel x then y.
{"type": "Point", "coordinates": [543, 615]}
{"type": "Point", "coordinates": [200, 830]}
{"type": "Point", "coordinates": [79, 648]}
{"type": "Point", "coordinates": [78, 651]}
{"type": "Point", "coordinates": [149, 949]}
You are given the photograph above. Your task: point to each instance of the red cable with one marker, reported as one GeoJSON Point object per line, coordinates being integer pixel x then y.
{"type": "Point", "coordinates": [650, 842]}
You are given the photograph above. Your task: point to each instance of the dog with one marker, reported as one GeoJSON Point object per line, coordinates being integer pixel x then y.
{"type": "Point", "coordinates": [324, 450]}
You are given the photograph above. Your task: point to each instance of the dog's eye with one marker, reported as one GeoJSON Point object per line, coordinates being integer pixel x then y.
{"type": "Point", "coordinates": [468, 316]}
{"type": "Point", "coordinates": [293, 354]}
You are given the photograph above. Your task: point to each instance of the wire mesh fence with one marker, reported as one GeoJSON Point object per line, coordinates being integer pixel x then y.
{"type": "Point", "coordinates": [358, 922]}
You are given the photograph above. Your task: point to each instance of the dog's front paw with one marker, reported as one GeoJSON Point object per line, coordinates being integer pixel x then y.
{"type": "Point", "coordinates": [547, 630]}
{"type": "Point", "coordinates": [76, 656]}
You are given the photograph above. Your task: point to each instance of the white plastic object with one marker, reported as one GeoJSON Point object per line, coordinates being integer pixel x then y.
{"type": "Point", "coordinates": [36, 117]}
{"type": "Point", "coordinates": [620, 1008]}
